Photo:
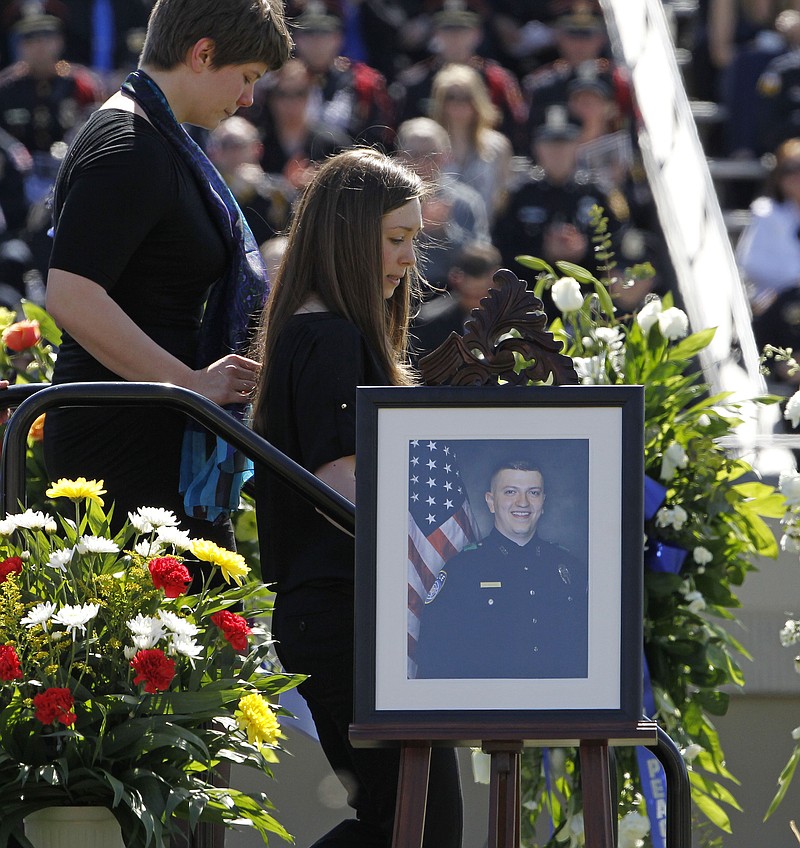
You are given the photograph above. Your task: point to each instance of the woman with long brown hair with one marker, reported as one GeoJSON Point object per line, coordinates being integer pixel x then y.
{"type": "Point", "coordinates": [337, 318]}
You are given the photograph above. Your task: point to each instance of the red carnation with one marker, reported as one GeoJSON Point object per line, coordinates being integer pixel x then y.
{"type": "Point", "coordinates": [154, 668]}
{"type": "Point", "coordinates": [54, 705]}
{"type": "Point", "coordinates": [10, 669]}
{"type": "Point", "coordinates": [169, 574]}
{"type": "Point", "coordinates": [12, 565]}
{"type": "Point", "coordinates": [234, 628]}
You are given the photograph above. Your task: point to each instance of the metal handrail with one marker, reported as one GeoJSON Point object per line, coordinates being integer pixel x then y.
{"type": "Point", "coordinates": [679, 791]}
{"type": "Point", "coordinates": [34, 399]}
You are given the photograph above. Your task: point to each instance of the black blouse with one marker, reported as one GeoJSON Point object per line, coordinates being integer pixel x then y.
{"type": "Point", "coordinates": [311, 398]}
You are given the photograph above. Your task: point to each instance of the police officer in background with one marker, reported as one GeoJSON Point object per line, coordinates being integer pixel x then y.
{"type": "Point", "coordinates": [515, 606]}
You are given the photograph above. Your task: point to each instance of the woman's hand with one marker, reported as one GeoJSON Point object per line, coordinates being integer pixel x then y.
{"type": "Point", "coordinates": [228, 380]}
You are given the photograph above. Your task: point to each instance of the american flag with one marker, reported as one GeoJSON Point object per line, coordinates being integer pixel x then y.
{"type": "Point", "coordinates": [440, 524]}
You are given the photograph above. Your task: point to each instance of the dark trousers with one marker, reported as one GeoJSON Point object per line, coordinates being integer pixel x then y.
{"type": "Point", "coordinates": [314, 632]}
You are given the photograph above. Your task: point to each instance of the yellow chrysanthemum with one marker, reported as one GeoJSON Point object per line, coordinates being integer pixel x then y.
{"type": "Point", "coordinates": [257, 718]}
{"type": "Point", "coordinates": [77, 490]}
{"type": "Point", "coordinates": [231, 564]}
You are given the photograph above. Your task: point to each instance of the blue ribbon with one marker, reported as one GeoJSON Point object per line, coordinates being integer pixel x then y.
{"type": "Point", "coordinates": [654, 495]}
{"type": "Point", "coordinates": [660, 556]}
{"type": "Point", "coordinates": [651, 774]}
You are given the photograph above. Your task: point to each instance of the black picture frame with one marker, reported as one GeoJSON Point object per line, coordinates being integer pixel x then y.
{"type": "Point", "coordinates": [595, 504]}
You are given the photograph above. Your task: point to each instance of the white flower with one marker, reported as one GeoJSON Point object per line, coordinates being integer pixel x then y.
{"type": "Point", "coordinates": [566, 294]}
{"type": "Point", "coordinates": [612, 337]}
{"type": "Point", "coordinates": [590, 370]}
{"type": "Point", "coordinates": [148, 518]}
{"type": "Point", "coordinates": [147, 548]}
{"type": "Point", "coordinates": [60, 559]}
{"type": "Point", "coordinates": [673, 323]}
{"type": "Point", "coordinates": [671, 517]}
{"type": "Point", "coordinates": [789, 487]}
{"type": "Point", "coordinates": [792, 410]}
{"type": "Point", "coordinates": [51, 526]}
{"type": "Point", "coordinates": [179, 539]}
{"type": "Point", "coordinates": [695, 601]}
{"type": "Point", "coordinates": [790, 633]}
{"type": "Point", "coordinates": [145, 625]}
{"type": "Point", "coordinates": [691, 752]}
{"type": "Point", "coordinates": [76, 616]}
{"type": "Point", "coordinates": [40, 614]}
{"type": "Point", "coordinates": [674, 457]}
{"type": "Point", "coordinates": [130, 652]}
{"type": "Point", "coordinates": [633, 827]}
{"type": "Point", "coordinates": [185, 646]}
{"type": "Point", "coordinates": [796, 734]}
{"type": "Point", "coordinates": [96, 545]}
{"type": "Point", "coordinates": [648, 315]}
{"type": "Point", "coordinates": [573, 831]}
{"type": "Point", "coordinates": [704, 420]}
{"type": "Point", "coordinates": [177, 624]}
{"type": "Point", "coordinates": [790, 543]}
{"type": "Point", "coordinates": [30, 520]}
{"type": "Point", "coordinates": [7, 527]}
{"type": "Point", "coordinates": [702, 556]}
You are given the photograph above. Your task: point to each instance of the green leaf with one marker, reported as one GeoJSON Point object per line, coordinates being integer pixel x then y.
{"type": "Point", "coordinates": [47, 326]}
{"type": "Point", "coordinates": [711, 809]}
{"type": "Point", "coordinates": [784, 781]}
{"type": "Point", "coordinates": [692, 345]}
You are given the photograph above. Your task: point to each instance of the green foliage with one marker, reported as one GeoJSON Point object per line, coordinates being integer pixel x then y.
{"type": "Point", "coordinates": [714, 510]}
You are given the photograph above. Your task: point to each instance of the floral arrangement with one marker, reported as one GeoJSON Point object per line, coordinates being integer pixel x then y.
{"type": "Point", "coordinates": [27, 355]}
{"type": "Point", "coordinates": [130, 671]}
{"type": "Point", "coordinates": [705, 526]}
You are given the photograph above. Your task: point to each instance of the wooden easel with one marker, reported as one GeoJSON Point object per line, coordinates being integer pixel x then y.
{"type": "Point", "coordinates": [504, 789]}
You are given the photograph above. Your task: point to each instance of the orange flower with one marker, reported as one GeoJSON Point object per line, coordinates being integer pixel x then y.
{"type": "Point", "coordinates": [21, 336]}
{"type": "Point", "coordinates": [36, 433]}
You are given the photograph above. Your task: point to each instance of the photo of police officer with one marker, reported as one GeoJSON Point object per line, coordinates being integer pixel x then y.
{"type": "Point", "coordinates": [515, 604]}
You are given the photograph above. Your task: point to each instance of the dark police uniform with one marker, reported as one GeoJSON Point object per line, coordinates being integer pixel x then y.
{"type": "Point", "coordinates": [778, 113]}
{"type": "Point", "coordinates": [501, 610]}
{"type": "Point", "coordinates": [539, 203]}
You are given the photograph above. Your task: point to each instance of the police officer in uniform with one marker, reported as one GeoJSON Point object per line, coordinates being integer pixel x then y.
{"type": "Point", "coordinates": [515, 606]}
{"type": "Point", "coordinates": [549, 215]}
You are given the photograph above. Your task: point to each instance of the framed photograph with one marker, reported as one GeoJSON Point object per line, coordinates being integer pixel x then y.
{"type": "Point", "coordinates": [499, 562]}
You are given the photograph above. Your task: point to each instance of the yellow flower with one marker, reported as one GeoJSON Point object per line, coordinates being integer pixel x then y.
{"type": "Point", "coordinates": [232, 565]}
{"type": "Point", "coordinates": [255, 716]}
{"type": "Point", "coordinates": [77, 490]}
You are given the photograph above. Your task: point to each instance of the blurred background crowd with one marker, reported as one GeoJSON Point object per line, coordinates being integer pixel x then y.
{"type": "Point", "coordinates": [513, 110]}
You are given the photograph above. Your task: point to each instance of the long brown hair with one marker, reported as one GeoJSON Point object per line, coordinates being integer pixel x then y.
{"type": "Point", "coordinates": [334, 253]}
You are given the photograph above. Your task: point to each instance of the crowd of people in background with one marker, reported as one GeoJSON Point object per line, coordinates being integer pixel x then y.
{"type": "Point", "coordinates": [513, 110]}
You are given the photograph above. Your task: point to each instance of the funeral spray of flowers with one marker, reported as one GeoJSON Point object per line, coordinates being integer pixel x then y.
{"type": "Point", "coordinates": [705, 525]}
{"type": "Point", "coordinates": [131, 667]}
{"type": "Point", "coordinates": [28, 349]}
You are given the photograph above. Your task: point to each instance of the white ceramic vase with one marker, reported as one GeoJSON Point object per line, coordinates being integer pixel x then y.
{"type": "Point", "coordinates": [73, 827]}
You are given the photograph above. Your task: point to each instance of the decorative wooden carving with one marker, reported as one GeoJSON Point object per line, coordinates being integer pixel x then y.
{"type": "Point", "coordinates": [484, 355]}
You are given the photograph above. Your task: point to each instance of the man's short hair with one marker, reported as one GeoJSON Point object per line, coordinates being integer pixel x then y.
{"type": "Point", "coordinates": [514, 464]}
{"type": "Point", "coordinates": [242, 31]}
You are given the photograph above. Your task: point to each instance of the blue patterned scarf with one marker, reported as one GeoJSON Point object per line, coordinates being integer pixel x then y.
{"type": "Point", "coordinates": [212, 472]}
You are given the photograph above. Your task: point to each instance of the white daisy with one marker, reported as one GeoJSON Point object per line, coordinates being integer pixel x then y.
{"type": "Point", "coordinates": [176, 624]}
{"type": "Point", "coordinates": [7, 527]}
{"type": "Point", "coordinates": [146, 625]}
{"type": "Point", "coordinates": [147, 548]}
{"type": "Point", "coordinates": [185, 646]}
{"type": "Point", "coordinates": [179, 539]}
{"type": "Point", "coordinates": [152, 517]}
{"type": "Point", "coordinates": [60, 559]}
{"type": "Point", "coordinates": [30, 520]}
{"type": "Point", "coordinates": [96, 545]}
{"type": "Point", "coordinates": [76, 616]}
{"type": "Point", "coordinates": [40, 614]}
